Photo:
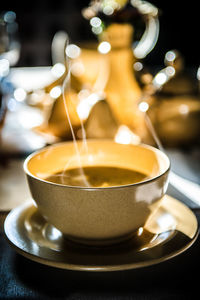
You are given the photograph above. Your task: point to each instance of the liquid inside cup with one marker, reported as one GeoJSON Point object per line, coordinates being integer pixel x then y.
{"type": "Point", "coordinates": [97, 176]}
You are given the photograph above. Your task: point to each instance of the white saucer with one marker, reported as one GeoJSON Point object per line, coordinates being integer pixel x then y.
{"type": "Point", "coordinates": [169, 232]}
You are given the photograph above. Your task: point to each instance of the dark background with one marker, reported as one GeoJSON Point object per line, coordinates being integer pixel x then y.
{"type": "Point", "coordinates": [39, 20]}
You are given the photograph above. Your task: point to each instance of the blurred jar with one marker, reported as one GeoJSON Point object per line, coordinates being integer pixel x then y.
{"type": "Point", "coordinates": [176, 111]}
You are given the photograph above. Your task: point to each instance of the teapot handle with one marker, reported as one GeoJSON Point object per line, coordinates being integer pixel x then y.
{"type": "Point", "coordinates": [150, 35]}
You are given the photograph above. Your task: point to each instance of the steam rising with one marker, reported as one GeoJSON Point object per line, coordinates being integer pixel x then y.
{"type": "Point", "coordinates": [66, 85]}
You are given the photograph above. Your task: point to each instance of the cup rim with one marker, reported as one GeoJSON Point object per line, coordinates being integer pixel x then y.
{"type": "Point", "coordinates": [30, 156]}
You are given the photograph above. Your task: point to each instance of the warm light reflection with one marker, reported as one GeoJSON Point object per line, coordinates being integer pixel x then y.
{"type": "Point", "coordinates": [140, 231]}
{"type": "Point", "coordinates": [184, 109]}
{"type": "Point", "coordinates": [54, 234]}
{"type": "Point", "coordinates": [104, 47]}
{"type": "Point", "coordinates": [125, 136]}
{"type": "Point", "coordinates": [95, 22]}
{"type": "Point", "coordinates": [29, 119]}
{"type": "Point", "coordinates": [83, 94]}
{"type": "Point", "coordinates": [166, 222]}
{"type": "Point", "coordinates": [55, 92]}
{"type": "Point", "coordinates": [170, 56]}
{"type": "Point", "coordinates": [86, 104]}
{"type": "Point", "coordinates": [58, 70]}
{"type": "Point", "coordinates": [97, 30]}
{"type": "Point", "coordinates": [160, 78]}
{"type": "Point", "coordinates": [108, 10]}
{"type": "Point", "coordinates": [73, 51]}
{"type": "Point", "coordinates": [170, 71]}
{"type": "Point", "coordinates": [20, 94]}
{"type": "Point", "coordinates": [138, 66]}
{"type": "Point", "coordinates": [77, 68]}
{"type": "Point", "coordinates": [143, 106]}
{"type": "Point", "coordinates": [109, 6]}
{"type": "Point", "coordinates": [36, 97]}
{"type": "Point", "coordinates": [163, 76]}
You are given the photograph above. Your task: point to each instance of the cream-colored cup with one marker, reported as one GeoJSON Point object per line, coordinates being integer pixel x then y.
{"type": "Point", "coordinates": [103, 215]}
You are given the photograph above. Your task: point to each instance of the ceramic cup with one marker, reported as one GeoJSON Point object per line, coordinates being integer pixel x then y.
{"type": "Point", "coordinates": [104, 215]}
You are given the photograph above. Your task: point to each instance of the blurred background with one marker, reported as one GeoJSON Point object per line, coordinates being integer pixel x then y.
{"type": "Point", "coordinates": [38, 21]}
{"type": "Point", "coordinates": [166, 82]}
{"type": "Point", "coordinates": [152, 98]}
{"type": "Point", "coordinates": [35, 34]}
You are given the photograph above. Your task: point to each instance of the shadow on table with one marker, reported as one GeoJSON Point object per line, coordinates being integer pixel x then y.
{"type": "Point", "coordinates": [176, 278]}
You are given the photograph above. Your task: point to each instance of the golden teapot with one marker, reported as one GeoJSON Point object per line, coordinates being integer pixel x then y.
{"type": "Point", "coordinates": [101, 74]}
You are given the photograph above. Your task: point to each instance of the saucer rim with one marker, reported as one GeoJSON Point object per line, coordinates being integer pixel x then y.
{"type": "Point", "coordinates": [25, 207]}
